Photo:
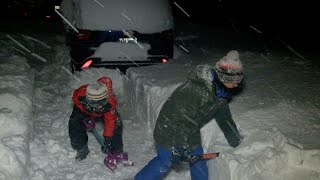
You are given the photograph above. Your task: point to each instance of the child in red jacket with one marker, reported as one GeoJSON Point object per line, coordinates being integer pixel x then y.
{"type": "Point", "coordinates": [96, 102]}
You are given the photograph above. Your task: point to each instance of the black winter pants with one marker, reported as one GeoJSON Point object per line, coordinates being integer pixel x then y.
{"type": "Point", "coordinates": [78, 131]}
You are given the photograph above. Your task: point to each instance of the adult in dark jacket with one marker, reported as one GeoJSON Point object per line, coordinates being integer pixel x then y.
{"type": "Point", "coordinates": [202, 98]}
{"type": "Point", "coordinates": [96, 102]}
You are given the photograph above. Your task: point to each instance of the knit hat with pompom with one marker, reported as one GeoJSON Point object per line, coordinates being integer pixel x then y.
{"type": "Point", "coordinates": [229, 68]}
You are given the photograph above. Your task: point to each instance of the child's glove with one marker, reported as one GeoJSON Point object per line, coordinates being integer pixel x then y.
{"type": "Point", "coordinates": [107, 145]}
{"type": "Point", "coordinates": [177, 155]}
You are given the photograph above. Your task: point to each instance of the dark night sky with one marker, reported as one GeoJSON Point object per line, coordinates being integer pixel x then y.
{"type": "Point", "coordinates": [291, 21]}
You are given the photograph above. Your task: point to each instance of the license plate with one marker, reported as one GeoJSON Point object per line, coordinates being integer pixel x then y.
{"type": "Point", "coordinates": [128, 40]}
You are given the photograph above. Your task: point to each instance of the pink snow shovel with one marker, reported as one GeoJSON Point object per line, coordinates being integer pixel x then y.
{"type": "Point", "coordinates": [112, 159]}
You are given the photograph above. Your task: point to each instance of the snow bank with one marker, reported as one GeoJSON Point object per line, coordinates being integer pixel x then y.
{"type": "Point", "coordinates": [264, 154]}
{"type": "Point", "coordinates": [271, 148]}
{"type": "Point", "coordinates": [16, 95]}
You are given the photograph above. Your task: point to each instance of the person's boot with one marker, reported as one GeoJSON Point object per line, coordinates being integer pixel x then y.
{"type": "Point", "coordinates": [82, 153]}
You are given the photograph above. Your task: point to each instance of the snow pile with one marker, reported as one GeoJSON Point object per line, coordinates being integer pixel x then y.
{"type": "Point", "coordinates": [265, 153]}
{"type": "Point", "coordinates": [16, 95]}
{"type": "Point", "coordinates": [274, 146]}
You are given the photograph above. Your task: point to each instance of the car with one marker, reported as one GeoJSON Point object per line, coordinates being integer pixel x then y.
{"type": "Point", "coordinates": [118, 33]}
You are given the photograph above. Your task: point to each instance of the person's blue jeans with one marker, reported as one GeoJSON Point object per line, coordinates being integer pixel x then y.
{"type": "Point", "coordinates": [161, 164]}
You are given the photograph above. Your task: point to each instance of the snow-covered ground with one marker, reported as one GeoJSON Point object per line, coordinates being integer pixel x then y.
{"type": "Point", "coordinates": [277, 112]}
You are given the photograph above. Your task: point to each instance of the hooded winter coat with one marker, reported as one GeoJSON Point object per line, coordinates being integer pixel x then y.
{"type": "Point", "coordinates": [191, 106]}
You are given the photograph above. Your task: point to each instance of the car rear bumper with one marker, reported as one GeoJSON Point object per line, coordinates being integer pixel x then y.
{"type": "Point", "coordinates": [124, 63]}
{"type": "Point", "coordinates": [100, 62]}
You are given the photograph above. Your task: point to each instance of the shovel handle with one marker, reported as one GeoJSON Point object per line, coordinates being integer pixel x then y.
{"type": "Point", "coordinates": [210, 155]}
{"type": "Point", "coordinates": [98, 137]}
{"type": "Point", "coordinates": [194, 158]}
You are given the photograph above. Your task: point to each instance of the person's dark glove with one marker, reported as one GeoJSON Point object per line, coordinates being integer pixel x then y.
{"type": "Point", "coordinates": [177, 155]}
{"type": "Point", "coordinates": [107, 145]}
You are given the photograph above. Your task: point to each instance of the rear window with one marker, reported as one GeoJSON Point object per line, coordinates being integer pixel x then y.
{"type": "Point", "coordinates": [144, 16]}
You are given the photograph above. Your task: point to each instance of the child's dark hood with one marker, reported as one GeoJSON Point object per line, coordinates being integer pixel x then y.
{"type": "Point", "coordinates": [201, 73]}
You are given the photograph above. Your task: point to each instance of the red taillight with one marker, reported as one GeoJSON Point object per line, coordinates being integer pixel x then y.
{"type": "Point", "coordinates": [84, 35]}
{"type": "Point", "coordinates": [86, 64]}
{"type": "Point", "coordinates": [164, 60]}
{"type": "Point", "coordinates": [48, 17]}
